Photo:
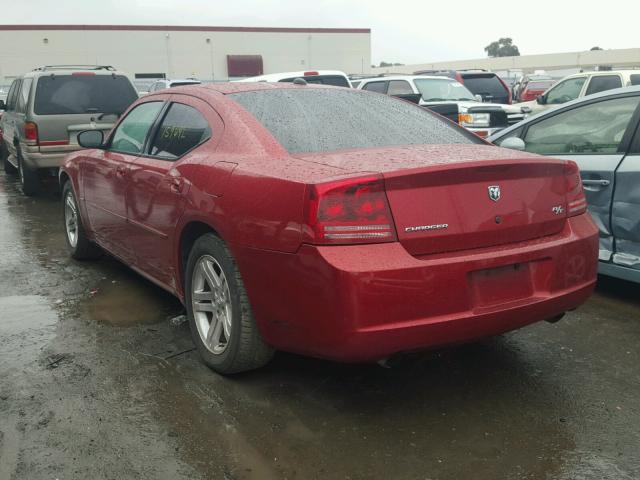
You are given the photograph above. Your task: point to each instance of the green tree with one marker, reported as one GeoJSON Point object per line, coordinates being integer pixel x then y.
{"type": "Point", "coordinates": [503, 47]}
{"type": "Point", "coordinates": [595, 48]}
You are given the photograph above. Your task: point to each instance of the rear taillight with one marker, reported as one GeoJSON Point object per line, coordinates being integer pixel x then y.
{"type": "Point", "coordinates": [576, 201]}
{"type": "Point", "coordinates": [31, 132]}
{"type": "Point", "coordinates": [348, 211]}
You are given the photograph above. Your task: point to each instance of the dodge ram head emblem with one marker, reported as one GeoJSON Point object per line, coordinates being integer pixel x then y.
{"type": "Point", "coordinates": [494, 192]}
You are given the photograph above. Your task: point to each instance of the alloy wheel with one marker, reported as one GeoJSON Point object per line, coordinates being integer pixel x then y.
{"type": "Point", "coordinates": [71, 219]}
{"type": "Point", "coordinates": [211, 303]}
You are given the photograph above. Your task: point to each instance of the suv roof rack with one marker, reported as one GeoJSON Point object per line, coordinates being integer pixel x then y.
{"type": "Point", "coordinates": [67, 67]}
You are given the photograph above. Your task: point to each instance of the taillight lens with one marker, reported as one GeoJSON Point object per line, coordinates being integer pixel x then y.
{"type": "Point", "coordinates": [348, 211]}
{"type": "Point", "coordinates": [31, 132]}
{"type": "Point", "coordinates": [576, 200]}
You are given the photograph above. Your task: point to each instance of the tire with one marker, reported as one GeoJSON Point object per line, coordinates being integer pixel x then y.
{"type": "Point", "coordinates": [80, 247]}
{"type": "Point", "coordinates": [238, 345]}
{"type": "Point", "coordinates": [9, 169]}
{"type": "Point", "coordinates": [28, 178]}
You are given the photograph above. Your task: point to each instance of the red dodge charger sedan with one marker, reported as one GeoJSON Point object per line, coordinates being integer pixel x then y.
{"type": "Point", "coordinates": [330, 222]}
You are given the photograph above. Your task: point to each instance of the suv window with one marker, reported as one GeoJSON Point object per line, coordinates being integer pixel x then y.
{"type": "Point", "coordinates": [321, 120]}
{"type": "Point", "coordinates": [488, 85]}
{"type": "Point", "coordinates": [12, 95]}
{"type": "Point", "coordinates": [565, 91]}
{"type": "Point", "coordinates": [601, 83]}
{"type": "Point", "coordinates": [68, 94]}
{"type": "Point", "coordinates": [131, 133]}
{"type": "Point", "coordinates": [596, 128]}
{"type": "Point", "coordinates": [399, 87]}
{"type": "Point", "coordinates": [23, 96]}
{"type": "Point", "coordinates": [634, 79]}
{"type": "Point", "coordinates": [182, 129]}
{"type": "Point", "coordinates": [380, 87]}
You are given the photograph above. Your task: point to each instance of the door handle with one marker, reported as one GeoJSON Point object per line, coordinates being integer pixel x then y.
{"type": "Point", "coordinates": [599, 183]}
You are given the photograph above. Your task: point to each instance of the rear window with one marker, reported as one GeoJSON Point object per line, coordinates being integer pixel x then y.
{"type": "Point", "coordinates": [487, 86]}
{"type": "Point", "coordinates": [69, 94]}
{"type": "Point", "coordinates": [320, 120]}
{"type": "Point", "coordinates": [335, 80]}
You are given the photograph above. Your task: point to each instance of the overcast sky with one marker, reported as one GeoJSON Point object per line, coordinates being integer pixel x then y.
{"type": "Point", "coordinates": [407, 31]}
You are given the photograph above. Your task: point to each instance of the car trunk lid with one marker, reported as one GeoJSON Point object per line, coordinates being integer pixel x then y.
{"type": "Point", "coordinates": [456, 197]}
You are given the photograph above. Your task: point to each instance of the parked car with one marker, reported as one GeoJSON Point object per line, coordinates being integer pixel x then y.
{"type": "Point", "coordinates": [449, 98]}
{"type": "Point", "coordinates": [323, 77]}
{"type": "Point", "coordinates": [532, 89]}
{"type": "Point", "coordinates": [487, 84]}
{"type": "Point", "coordinates": [329, 222]}
{"type": "Point", "coordinates": [163, 83]}
{"type": "Point", "coordinates": [601, 134]}
{"type": "Point", "coordinates": [45, 110]}
{"type": "Point", "coordinates": [583, 84]}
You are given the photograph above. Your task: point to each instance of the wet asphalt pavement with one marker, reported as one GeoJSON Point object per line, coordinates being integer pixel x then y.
{"type": "Point", "coordinates": [97, 383]}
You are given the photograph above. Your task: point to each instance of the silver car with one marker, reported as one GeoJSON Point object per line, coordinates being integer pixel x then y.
{"type": "Point", "coordinates": [601, 134]}
{"type": "Point", "coordinates": [46, 109]}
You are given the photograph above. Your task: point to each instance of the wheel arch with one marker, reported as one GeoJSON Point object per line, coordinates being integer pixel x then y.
{"type": "Point", "coordinates": [189, 233]}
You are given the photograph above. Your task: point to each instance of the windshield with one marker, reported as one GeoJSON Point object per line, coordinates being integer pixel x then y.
{"type": "Point", "coordinates": [320, 120]}
{"type": "Point", "coordinates": [441, 89]}
{"type": "Point", "coordinates": [67, 94]}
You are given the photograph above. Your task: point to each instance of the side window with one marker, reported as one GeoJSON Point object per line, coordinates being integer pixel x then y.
{"type": "Point", "coordinates": [23, 96]}
{"type": "Point", "coordinates": [13, 94]}
{"type": "Point", "coordinates": [566, 91]}
{"type": "Point", "coordinates": [399, 87]}
{"type": "Point", "coordinates": [182, 129]}
{"type": "Point", "coordinates": [596, 128]}
{"type": "Point", "coordinates": [380, 87]}
{"type": "Point", "coordinates": [515, 133]}
{"type": "Point", "coordinates": [130, 135]}
{"type": "Point", "coordinates": [635, 79]}
{"type": "Point", "coordinates": [602, 83]}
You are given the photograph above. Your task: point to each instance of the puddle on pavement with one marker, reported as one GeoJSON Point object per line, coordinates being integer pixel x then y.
{"type": "Point", "coordinates": [130, 301]}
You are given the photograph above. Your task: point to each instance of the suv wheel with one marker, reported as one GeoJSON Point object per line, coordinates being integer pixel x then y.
{"type": "Point", "coordinates": [28, 178]}
{"type": "Point", "coordinates": [80, 247]}
{"type": "Point", "coordinates": [220, 317]}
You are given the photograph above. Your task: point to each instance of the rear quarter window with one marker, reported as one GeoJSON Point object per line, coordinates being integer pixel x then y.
{"type": "Point", "coordinates": [73, 94]}
{"type": "Point", "coordinates": [320, 120]}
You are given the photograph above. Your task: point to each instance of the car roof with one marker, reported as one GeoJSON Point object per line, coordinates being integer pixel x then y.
{"type": "Point", "coordinates": [405, 77]}
{"type": "Point", "coordinates": [68, 69]}
{"type": "Point", "coordinates": [227, 88]}
{"type": "Point", "coordinates": [274, 77]}
{"type": "Point", "coordinates": [604, 72]}
{"type": "Point", "coordinates": [578, 101]}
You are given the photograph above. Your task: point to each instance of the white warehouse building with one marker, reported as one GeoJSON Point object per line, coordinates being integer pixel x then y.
{"type": "Point", "coordinates": [204, 52]}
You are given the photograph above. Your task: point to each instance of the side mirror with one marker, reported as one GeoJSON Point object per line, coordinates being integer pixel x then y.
{"type": "Point", "coordinates": [91, 139]}
{"type": "Point", "coordinates": [514, 143]}
{"type": "Point", "coordinates": [3, 106]}
{"type": "Point", "coordinates": [542, 100]}
{"type": "Point", "coordinates": [478, 98]}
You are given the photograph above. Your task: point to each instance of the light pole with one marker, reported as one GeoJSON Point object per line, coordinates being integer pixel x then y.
{"type": "Point", "coordinates": [211, 57]}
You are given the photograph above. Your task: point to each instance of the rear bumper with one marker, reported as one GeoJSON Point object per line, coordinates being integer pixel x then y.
{"type": "Point", "coordinates": [46, 157]}
{"type": "Point", "coordinates": [362, 303]}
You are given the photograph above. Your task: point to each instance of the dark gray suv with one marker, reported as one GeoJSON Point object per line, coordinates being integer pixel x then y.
{"type": "Point", "coordinates": [46, 109]}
